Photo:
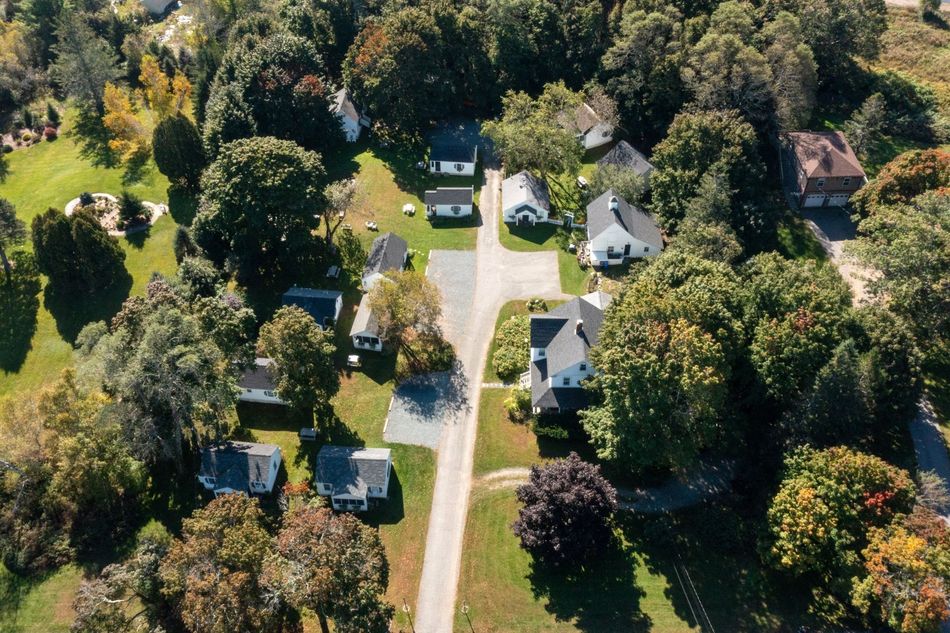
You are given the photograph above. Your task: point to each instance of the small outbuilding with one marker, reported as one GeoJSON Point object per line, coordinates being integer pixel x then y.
{"type": "Point", "coordinates": [352, 121]}
{"type": "Point", "coordinates": [323, 305]}
{"type": "Point", "coordinates": [617, 231]}
{"type": "Point", "coordinates": [239, 467]}
{"type": "Point", "coordinates": [453, 159]}
{"type": "Point", "coordinates": [388, 253]}
{"type": "Point", "coordinates": [450, 202]}
{"type": "Point", "coordinates": [258, 383]}
{"type": "Point", "coordinates": [626, 156]}
{"type": "Point", "coordinates": [525, 199]}
{"type": "Point", "coordinates": [351, 476]}
{"type": "Point", "coordinates": [589, 127]}
{"type": "Point", "coordinates": [365, 330]}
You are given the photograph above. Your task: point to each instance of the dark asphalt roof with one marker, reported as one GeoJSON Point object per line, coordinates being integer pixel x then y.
{"type": "Point", "coordinates": [260, 375]}
{"type": "Point", "coordinates": [320, 304]}
{"type": "Point", "coordinates": [351, 469]}
{"type": "Point", "coordinates": [633, 220]}
{"type": "Point", "coordinates": [626, 155]}
{"type": "Point", "coordinates": [556, 331]}
{"type": "Point", "coordinates": [450, 195]}
{"type": "Point", "coordinates": [236, 464]}
{"type": "Point", "coordinates": [387, 253]}
{"type": "Point", "coordinates": [546, 397]}
{"type": "Point", "coordinates": [453, 152]}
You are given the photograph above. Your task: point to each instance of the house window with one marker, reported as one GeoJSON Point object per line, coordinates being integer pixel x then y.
{"type": "Point", "coordinates": [257, 484]}
{"type": "Point", "coordinates": [846, 181]}
{"type": "Point", "coordinates": [566, 381]}
{"type": "Point", "coordinates": [646, 249]}
{"type": "Point", "coordinates": [540, 353]}
{"type": "Point", "coordinates": [459, 167]}
{"type": "Point", "coordinates": [269, 394]}
{"type": "Point", "coordinates": [610, 250]}
{"type": "Point", "coordinates": [821, 182]}
{"type": "Point", "coordinates": [456, 209]}
{"type": "Point", "coordinates": [583, 366]}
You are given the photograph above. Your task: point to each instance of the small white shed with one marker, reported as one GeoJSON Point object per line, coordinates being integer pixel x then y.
{"type": "Point", "coordinates": [450, 202]}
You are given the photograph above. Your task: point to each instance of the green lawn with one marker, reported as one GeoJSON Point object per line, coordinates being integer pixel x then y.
{"type": "Point", "coordinates": [796, 240]}
{"type": "Point", "coordinates": [390, 180]}
{"type": "Point", "coordinates": [41, 606]}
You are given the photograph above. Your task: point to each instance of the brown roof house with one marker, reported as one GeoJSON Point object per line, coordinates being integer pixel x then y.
{"type": "Point", "coordinates": [819, 168]}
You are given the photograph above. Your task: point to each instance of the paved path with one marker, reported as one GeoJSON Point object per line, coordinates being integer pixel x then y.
{"type": "Point", "coordinates": [500, 276]}
{"type": "Point", "coordinates": [834, 229]}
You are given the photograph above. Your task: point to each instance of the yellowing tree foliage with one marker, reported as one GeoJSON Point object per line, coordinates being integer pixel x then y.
{"type": "Point", "coordinates": [129, 137]}
{"type": "Point", "coordinates": [165, 97]}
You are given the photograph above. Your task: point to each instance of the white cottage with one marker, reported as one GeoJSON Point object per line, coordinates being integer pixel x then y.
{"type": "Point", "coordinates": [449, 202]}
{"type": "Point", "coordinates": [351, 476]}
{"type": "Point", "coordinates": [388, 253]}
{"type": "Point", "coordinates": [239, 467]}
{"type": "Point", "coordinates": [453, 159]}
{"type": "Point", "coordinates": [591, 130]}
{"type": "Point", "coordinates": [525, 199]}
{"type": "Point", "coordinates": [618, 231]}
{"type": "Point", "coordinates": [258, 383]}
{"type": "Point", "coordinates": [352, 121]}
{"type": "Point", "coordinates": [365, 330]}
{"type": "Point", "coordinates": [560, 344]}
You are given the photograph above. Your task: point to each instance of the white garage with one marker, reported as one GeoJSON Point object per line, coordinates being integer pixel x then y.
{"type": "Point", "coordinates": [815, 200]}
{"type": "Point", "coordinates": [838, 199]}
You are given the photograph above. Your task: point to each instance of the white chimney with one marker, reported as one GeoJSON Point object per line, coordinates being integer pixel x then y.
{"type": "Point", "coordinates": [579, 326]}
{"type": "Point", "coordinates": [614, 204]}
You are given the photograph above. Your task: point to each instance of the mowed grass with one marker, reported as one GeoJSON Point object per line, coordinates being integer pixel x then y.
{"type": "Point", "coordinates": [390, 180]}
{"type": "Point", "coordinates": [38, 606]}
{"type": "Point", "coordinates": [797, 241]}
{"type": "Point", "coordinates": [919, 48]}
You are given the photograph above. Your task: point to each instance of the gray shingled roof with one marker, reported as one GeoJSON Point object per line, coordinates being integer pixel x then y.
{"type": "Point", "coordinates": [387, 253]}
{"type": "Point", "coordinates": [260, 375]}
{"type": "Point", "coordinates": [453, 153]}
{"type": "Point", "coordinates": [634, 221]}
{"type": "Point", "coordinates": [236, 464]}
{"type": "Point", "coordinates": [623, 154]}
{"type": "Point", "coordinates": [450, 195]}
{"type": "Point", "coordinates": [320, 304]}
{"type": "Point", "coordinates": [564, 398]}
{"type": "Point", "coordinates": [343, 104]}
{"type": "Point", "coordinates": [352, 469]}
{"type": "Point", "coordinates": [525, 188]}
{"type": "Point", "coordinates": [365, 320]}
{"type": "Point", "coordinates": [556, 332]}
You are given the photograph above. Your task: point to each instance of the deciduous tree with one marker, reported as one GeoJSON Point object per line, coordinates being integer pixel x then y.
{"type": "Point", "coordinates": [512, 352]}
{"type": "Point", "coordinates": [165, 96]}
{"type": "Point", "coordinates": [903, 179]}
{"type": "Point", "coordinates": [406, 304]}
{"type": "Point", "coordinates": [128, 137]}
{"type": "Point", "coordinates": [303, 355]}
{"type": "Point", "coordinates": [567, 507]}
{"type": "Point", "coordinates": [794, 71]}
{"type": "Point", "coordinates": [866, 125]}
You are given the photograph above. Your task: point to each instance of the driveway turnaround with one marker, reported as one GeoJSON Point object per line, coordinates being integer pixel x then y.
{"type": "Point", "coordinates": [500, 276]}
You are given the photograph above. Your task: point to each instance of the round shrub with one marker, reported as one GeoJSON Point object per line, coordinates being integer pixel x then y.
{"type": "Point", "coordinates": [26, 137]}
{"type": "Point", "coordinates": [7, 148]}
{"type": "Point", "coordinates": [50, 133]}
{"type": "Point", "coordinates": [85, 198]}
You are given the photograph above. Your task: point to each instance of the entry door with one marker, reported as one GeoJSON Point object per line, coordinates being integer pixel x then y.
{"type": "Point", "coordinates": [438, 166]}
{"type": "Point", "coordinates": [626, 250]}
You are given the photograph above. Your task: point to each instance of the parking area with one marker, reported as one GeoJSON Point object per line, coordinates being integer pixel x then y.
{"type": "Point", "coordinates": [453, 272]}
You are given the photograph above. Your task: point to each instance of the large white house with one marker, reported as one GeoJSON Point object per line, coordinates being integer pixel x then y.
{"type": "Point", "coordinates": [453, 159]}
{"type": "Point", "coordinates": [449, 202]}
{"type": "Point", "coordinates": [525, 199]}
{"type": "Point", "coordinates": [591, 130]}
{"type": "Point", "coordinates": [388, 253]}
{"type": "Point", "coordinates": [352, 121]}
{"type": "Point", "coordinates": [618, 231]}
{"type": "Point", "coordinates": [351, 476]}
{"type": "Point", "coordinates": [365, 330]}
{"type": "Point", "coordinates": [560, 344]}
{"type": "Point", "coordinates": [258, 383]}
{"type": "Point", "coordinates": [239, 467]}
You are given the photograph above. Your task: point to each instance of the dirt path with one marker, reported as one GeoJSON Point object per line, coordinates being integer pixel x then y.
{"type": "Point", "coordinates": [501, 276]}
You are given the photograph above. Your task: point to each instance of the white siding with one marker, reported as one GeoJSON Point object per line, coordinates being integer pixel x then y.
{"type": "Point", "coordinates": [574, 374]}
{"type": "Point", "coordinates": [449, 210]}
{"type": "Point", "coordinates": [617, 238]}
{"type": "Point", "coordinates": [260, 396]}
{"type": "Point", "coordinates": [358, 344]}
{"type": "Point", "coordinates": [451, 169]}
{"type": "Point", "coordinates": [274, 467]}
{"type": "Point", "coordinates": [600, 134]}
{"type": "Point", "coordinates": [350, 128]}
{"type": "Point", "coordinates": [510, 215]}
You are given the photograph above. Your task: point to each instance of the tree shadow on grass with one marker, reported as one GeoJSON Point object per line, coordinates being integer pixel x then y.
{"type": "Point", "coordinates": [602, 596]}
{"type": "Point", "coordinates": [19, 307]}
{"type": "Point", "coordinates": [93, 139]}
{"type": "Point", "coordinates": [708, 555]}
{"type": "Point", "coordinates": [182, 205]}
{"type": "Point", "coordinates": [388, 511]}
{"type": "Point", "coordinates": [73, 310]}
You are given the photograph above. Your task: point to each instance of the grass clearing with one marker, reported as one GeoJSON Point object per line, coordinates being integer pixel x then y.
{"type": "Point", "coordinates": [38, 606]}
{"type": "Point", "coordinates": [919, 48]}
{"type": "Point", "coordinates": [796, 240]}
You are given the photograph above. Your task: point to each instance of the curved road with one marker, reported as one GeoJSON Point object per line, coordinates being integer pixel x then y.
{"type": "Point", "coordinates": [501, 275]}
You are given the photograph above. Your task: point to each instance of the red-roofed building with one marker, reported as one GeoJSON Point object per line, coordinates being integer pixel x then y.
{"type": "Point", "coordinates": [820, 168]}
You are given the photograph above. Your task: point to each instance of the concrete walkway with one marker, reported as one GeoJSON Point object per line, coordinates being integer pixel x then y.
{"type": "Point", "coordinates": [500, 276]}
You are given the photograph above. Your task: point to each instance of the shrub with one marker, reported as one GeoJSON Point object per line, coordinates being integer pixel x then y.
{"type": "Point", "coordinates": [131, 210]}
{"type": "Point", "coordinates": [512, 352]}
{"type": "Point", "coordinates": [518, 405]}
{"type": "Point", "coordinates": [26, 137]}
{"type": "Point", "coordinates": [50, 133]}
{"type": "Point", "coordinates": [85, 198]}
{"type": "Point", "coordinates": [7, 148]}
{"type": "Point", "coordinates": [537, 305]}
{"type": "Point", "coordinates": [52, 115]}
